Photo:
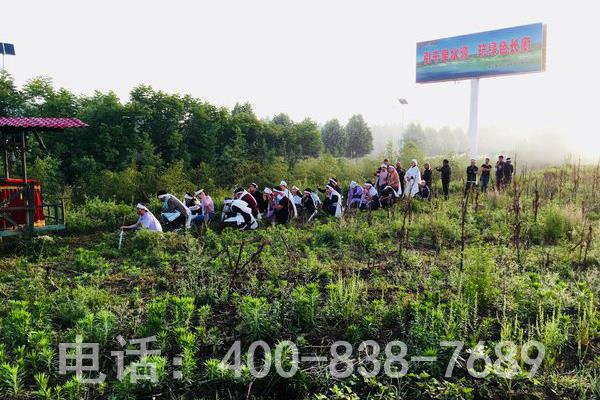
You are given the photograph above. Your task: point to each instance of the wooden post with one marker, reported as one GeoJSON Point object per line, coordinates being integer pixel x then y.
{"type": "Point", "coordinates": [27, 191]}
{"type": "Point", "coordinates": [6, 171]}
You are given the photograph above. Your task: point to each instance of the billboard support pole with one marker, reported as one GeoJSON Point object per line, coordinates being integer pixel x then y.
{"type": "Point", "coordinates": [473, 117]}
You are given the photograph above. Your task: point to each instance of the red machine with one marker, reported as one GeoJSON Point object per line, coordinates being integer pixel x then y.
{"type": "Point", "coordinates": [22, 209]}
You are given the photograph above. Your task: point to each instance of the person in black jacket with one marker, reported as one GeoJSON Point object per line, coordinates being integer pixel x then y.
{"type": "Point", "coordinates": [471, 176]}
{"type": "Point", "coordinates": [258, 196]}
{"type": "Point", "coordinates": [424, 191]}
{"type": "Point", "coordinates": [508, 172]}
{"type": "Point", "coordinates": [446, 171]}
{"type": "Point", "coordinates": [427, 175]}
{"type": "Point", "coordinates": [500, 173]}
{"type": "Point", "coordinates": [401, 173]}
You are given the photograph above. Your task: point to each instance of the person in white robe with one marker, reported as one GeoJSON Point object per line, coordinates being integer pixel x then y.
{"type": "Point", "coordinates": [333, 202]}
{"type": "Point", "coordinates": [146, 220]}
{"type": "Point", "coordinates": [175, 213]}
{"type": "Point", "coordinates": [237, 213]}
{"type": "Point", "coordinates": [412, 177]}
{"type": "Point", "coordinates": [288, 194]}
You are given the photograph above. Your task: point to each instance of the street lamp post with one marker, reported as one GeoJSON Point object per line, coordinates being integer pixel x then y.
{"type": "Point", "coordinates": [403, 102]}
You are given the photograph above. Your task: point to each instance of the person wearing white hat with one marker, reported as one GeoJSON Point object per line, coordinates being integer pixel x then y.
{"type": "Point", "coordinates": [271, 201]}
{"type": "Point", "coordinates": [241, 194]}
{"type": "Point", "coordinates": [333, 202]}
{"type": "Point", "coordinates": [424, 191]}
{"type": "Point", "coordinates": [370, 197]}
{"type": "Point", "coordinates": [283, 187]}
{"type": "Point", "coordinates": [284, 207]}
{"type": "Point", "coordinates": [175, 213]}
{"type": "Point", "coordinates": [237, 213]}
{"type": "Point", "coordinates": [207, 207]}
{"type": "Point", "coordinates": [192, 202]}
{"type": "Point", "coordinates": [355, 192]}
{"type": "Point", "coordinates": [297, 197]}
{"type": "Point", "coordinates": [146, 220]}
{"type": "Point", "coordinates": [412, 177]}
{"type": "Point", "coordinates": [382, 178]}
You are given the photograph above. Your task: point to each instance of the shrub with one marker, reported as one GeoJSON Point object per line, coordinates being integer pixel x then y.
{"type": "Point", "coordinates": [97, 215]}
{"type": "Point", "coordinates": [70, 305]}
{"type": "Point", "coordinates": [254, 313]}
{"type": "Point", "coordinates": [17, 323]}
{"type": "Point", "coordinates": [11, 380]}
{"type": "Point", "coordinates": [306, 302]}
{"type": "Point", "coordinates": [344, 299]}
{"type": "Point", "coordinates": [156, 315]}
{"type": "Point", "coordinates": [90, 261]}
{"type": "Point", "coordinates": [556, 225]}
{"type": "Point", "coordinates": [479, 277]}
{"type": "Point", "coordinates": [183, 310]}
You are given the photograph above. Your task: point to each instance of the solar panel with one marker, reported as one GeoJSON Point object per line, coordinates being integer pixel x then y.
{"type": "Point", "coordinates": [1, 48]}
{"type": "Point", "coordinates": [9, 48]}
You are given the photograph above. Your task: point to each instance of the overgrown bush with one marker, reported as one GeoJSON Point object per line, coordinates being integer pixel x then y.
{"type": "Point", "coordinates": [97, 215]}
{"type": "Point", "coordinates": [556, 225]}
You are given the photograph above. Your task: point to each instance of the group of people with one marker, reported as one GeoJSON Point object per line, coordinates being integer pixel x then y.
{"type": "Point", "coordinates": [504, 171]}
{"type": "Point", "coordinates": [280, 204]}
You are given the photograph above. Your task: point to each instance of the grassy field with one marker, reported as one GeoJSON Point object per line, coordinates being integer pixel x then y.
{"type": "Point", "coordinates": [519, 266]}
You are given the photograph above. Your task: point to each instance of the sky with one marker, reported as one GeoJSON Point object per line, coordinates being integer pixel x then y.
{"type": "Point", "coordinates": [321, 59]}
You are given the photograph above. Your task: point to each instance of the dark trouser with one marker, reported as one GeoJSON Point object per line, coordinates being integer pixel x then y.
{"type": "Point", "coordinates": [485, 181]}
{"type": "Point", "coordinates": [469, 186]}
{"type": "Point", "coordinates": [176, 223]}
{"type": "Point", "coordinates": [373, 204]}
{"type": "Point", "coordinates": [445, 187]}
{"type": "Point", "coordinates": [331, 208]}
{"type": "Point", "coordinates": [499, 182]}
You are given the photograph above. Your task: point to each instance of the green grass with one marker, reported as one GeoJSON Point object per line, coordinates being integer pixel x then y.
{"type": "Point", "coordinates": [335, 280]}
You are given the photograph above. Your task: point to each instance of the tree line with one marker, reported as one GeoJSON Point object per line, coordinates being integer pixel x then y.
{"type": "Point", "coordinates": [154, 131]}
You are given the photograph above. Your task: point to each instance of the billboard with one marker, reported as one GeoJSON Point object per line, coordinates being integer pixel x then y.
{"type": "Point", "coordinates": [516, 50]}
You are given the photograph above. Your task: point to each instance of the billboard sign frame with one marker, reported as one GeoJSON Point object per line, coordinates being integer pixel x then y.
{"type": "Point", "coordinates": [501, 52]}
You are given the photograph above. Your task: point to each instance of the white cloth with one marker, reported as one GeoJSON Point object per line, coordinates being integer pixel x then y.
{"type": "Point", "coordinates": [412, 177]}
{"type": "Point", "coordinates": [149, 221]}
{"type": "Point", "coordinates": [287, 194]}
{"type": "Point", "coordinates": [238, 218]}
{"type": "Point", "coordinates": [338, 204]}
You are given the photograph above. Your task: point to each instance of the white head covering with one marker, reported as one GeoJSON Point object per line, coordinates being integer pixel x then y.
{"type": "Point", "coordinates": [198, 192]}
{"type": "Point", "coordinates": [142, 207]}
{"type": "Point", "coordinates": [164, 196]}
{"type": "Point", "coordinates": [352, 185]}
{"type": "Point", "coordinates": [416, 162]}
{"type": "Point", "coordinates": [283, 183]}
{"type": "Point", "coordinates": [267, 191]}
{"type": "Point", "coordinates": [187, 197]}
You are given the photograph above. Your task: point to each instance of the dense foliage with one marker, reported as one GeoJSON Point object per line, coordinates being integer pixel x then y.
{"type": "Point", "coordinates": [156, 134]}
{"type": "Point", "coordinates": [529, 271]}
